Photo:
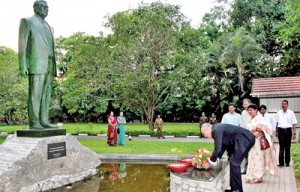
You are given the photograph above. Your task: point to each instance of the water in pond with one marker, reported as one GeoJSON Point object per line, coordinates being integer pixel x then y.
{"type": "Point", "coordinates": [127, 177]}
{"type": "Point", "coordinates": [132, 176]}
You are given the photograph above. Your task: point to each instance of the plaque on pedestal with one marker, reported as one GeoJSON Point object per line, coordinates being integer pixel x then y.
{"type": "Point", "coordinates": [56, 150]}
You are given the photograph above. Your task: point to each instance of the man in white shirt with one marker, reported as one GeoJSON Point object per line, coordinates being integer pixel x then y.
{"type": "Point", "coordinates": [268, 117]}
{"type": "Point", "coordinates": [285, 131]}
{"type": "Point", "coordinates": [231, 117]}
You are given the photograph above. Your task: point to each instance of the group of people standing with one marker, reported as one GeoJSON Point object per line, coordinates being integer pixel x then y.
{"type": "Point", "coordinates": [204, 119]}
{"type": "Point", "coordinates": [116, 130]}
{"type": "Point", "coordinates": [240, 136]}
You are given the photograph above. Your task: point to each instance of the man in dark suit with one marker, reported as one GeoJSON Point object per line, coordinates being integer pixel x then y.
{"type": "Point", "coordinates": [37, 60]}
{"type": "Point", "coordinates": [236, 141]}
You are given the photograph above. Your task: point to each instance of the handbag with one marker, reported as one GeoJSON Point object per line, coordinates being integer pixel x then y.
{"type": "Point", "coordinates": [264, 144]}
{"type": "Point", "coordinates": [118, 131]}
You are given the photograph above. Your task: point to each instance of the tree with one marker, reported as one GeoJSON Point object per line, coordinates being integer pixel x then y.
{"type": "Point", "coordinates": [13, 89]}
{"type": "Point", "coordinates": [80, 88]}
{"type": "Point", "coordinates": [144, 50]}
{"type": "Point", "coordinates": [240, 48]}
{"type": "Point", "coordinates": [189, 98]}
{"type": "Point", "coordinates": [290, 35]}
{"type": "Point", "coordinates": [263, 18]}
{"type": "Point", "coordinates": [234, 60]}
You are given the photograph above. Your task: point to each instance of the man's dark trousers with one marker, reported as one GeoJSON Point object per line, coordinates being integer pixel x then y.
{"type": "Point", "coordinates": [242, 147]}
{"type": "Point", "coordinates": [285, 139]}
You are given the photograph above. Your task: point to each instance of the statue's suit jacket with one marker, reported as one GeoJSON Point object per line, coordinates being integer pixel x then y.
{"type": "Point", "coordinates": [36, 46]}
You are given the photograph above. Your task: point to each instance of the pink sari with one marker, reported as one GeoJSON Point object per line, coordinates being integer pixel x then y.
{"type": "Point", "coordinates": [112, 135]}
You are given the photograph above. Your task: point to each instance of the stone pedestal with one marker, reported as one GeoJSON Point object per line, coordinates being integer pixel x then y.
{"type": "Point", "coordinates": [215, 179]}
{"type": "Point", "coordinates": [40, 164]}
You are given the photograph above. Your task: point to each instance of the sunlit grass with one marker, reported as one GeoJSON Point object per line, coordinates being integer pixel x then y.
{"type": "Point", "coordinates": [142, 147]}
{"type": "Point", "coordinates": [145, 147]}
{"type": "Point", "coordinates": [2, 139]}
{"type": "Point", "coordinates": [296, 159]}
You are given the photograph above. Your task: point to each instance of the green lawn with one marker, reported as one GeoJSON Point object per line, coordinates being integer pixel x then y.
{"type": "Point", "coordinates": [143, 147]}
{"type": "Point", "coordinates": [2, 139]}
{"type": "Point", "coordinates": [296, 159]}
{"type": "Point", "coordinates": [146, 147]}
{"type": "Point", "coordinates": [176, 129]}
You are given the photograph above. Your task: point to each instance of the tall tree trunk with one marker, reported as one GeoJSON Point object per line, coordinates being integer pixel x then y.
{"type": "Point", "coordinates": [149, 117]}
{"type": "Point", "coordinates": [142, 118]}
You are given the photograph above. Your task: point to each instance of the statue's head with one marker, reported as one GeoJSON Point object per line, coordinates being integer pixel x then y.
{"type": "Point", "coordinates": [40, 7]}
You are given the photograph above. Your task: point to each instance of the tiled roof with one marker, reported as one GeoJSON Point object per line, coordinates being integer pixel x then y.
{"type": "Point", "coordinates": [276, 86]}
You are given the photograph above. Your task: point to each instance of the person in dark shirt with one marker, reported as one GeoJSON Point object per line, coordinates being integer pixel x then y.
{"type": "Point", "coordinates": [236, 141]}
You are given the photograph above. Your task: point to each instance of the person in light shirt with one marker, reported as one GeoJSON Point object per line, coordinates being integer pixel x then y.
{"type": "Point", "coordinates": [268, 117]}
{"type": "Point", "coordinates": [231, 117]}
{"type": "Point", "coordinates": [286, 132]}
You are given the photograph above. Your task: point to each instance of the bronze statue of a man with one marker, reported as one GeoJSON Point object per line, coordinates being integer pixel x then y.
{"type": "Point", "coordinates": [37, 61]}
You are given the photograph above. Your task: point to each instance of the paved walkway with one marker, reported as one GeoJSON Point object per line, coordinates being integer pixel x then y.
{"type": "Point", "coordinates": [285, 182]}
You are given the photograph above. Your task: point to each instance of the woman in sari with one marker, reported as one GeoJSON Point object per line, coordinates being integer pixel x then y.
{"type": "Point", "coordinates": [259, 160]}
{"type": "Point", "coordinates": [121, 126]}
{"type": "Point", "coordinates": [122, 172]}
{"type": "Point", "coordinates": [113, 172]}
{"type": "Point", "coordinates": [112, 135]}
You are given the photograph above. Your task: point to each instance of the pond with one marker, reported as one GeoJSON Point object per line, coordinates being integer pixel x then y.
{"type": "Point", "coordinates": [125, 176]}
{"type": "Point", "coordinates": [133, 176]}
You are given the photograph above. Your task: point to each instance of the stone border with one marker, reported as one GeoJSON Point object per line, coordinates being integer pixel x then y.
{"type": "Point", "coordinates": [143, 157]}
{"type": "Point", "coordinates": [144, 136]}
{"type": "Point", "coordinates": [218, 184]}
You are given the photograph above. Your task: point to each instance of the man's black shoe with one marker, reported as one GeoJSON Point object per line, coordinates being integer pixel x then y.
{"type": "Point", "coordinates": [287, 165]}
{"type": "Point", "coordinates": [237, 191]}
{"type": "Point", "coordinates": [243, 173]}
{"type": "Point", "coordinates": [227, 190]}
{"type": "Point", "coordinates": [280, 165]}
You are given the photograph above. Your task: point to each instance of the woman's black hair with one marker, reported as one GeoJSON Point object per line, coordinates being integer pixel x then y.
{"type": "Point", "coordinates": [253, 106]}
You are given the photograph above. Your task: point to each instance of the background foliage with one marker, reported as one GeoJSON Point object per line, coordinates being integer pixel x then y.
{"type": "Point", "coordinates": [154, 62]}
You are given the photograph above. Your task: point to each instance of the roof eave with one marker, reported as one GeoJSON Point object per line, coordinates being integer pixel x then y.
{"type": "Point", "coordinates": [264, 94]}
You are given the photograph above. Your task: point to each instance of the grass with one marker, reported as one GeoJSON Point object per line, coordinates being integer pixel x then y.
{"type": "Point", "coordinates": [146, 147]}
{"type": "Point", "coordinates": [176, 129]}
{"type": "Point", "coordinates": [2, 139]}
{"type": "Point", "coordinates": [143, 147]}
{"type": "Point", "coordinates": [296, 158]}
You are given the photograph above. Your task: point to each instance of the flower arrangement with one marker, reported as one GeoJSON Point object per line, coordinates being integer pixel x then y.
{"type": "Point", "coordinates": [201, 157]}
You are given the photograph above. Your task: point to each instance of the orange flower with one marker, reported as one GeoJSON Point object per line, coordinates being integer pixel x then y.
{"type": "Point", "coordinates": [200, 158]}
